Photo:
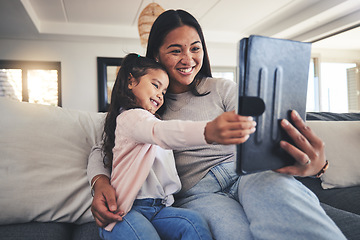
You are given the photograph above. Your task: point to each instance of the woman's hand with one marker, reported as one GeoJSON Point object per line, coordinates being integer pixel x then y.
{"type": "Point", "coordinates": [229, 128]}
{"type": "Point", "coordinates": [103, 206]}
{"type": "Point", "coordinates": [309, 151]}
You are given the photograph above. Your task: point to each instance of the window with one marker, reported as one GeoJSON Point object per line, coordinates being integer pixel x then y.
{"type": "Point", "coordinates": [334, 92]}
{"type": "Point", "coordinates": [332, 87]}
{"type": "Point", "coordinates": [31, 81]}
{"type": "Point", "coordinates": [353, 86]}
{"type": "Point", "coordinates": [224, 72]}
{"type": "Point", "coordinates": [312, 101]}
{"type": "Point", "coordinates": [328, 89]}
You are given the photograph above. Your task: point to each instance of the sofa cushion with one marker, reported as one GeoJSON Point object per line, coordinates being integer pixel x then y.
{"type": "Point", "coordinates": [346, 198]}
{"type": "Point", "coordinates": [348, 222]}
{"type": "Point", "coordinates": [342, 150]}
{"type": "Point", "coordinates": [44, 152]}
{"type": "Point", "coordinates": [86, 231]}
{"type": "Point", "coordinates": [36, 231]}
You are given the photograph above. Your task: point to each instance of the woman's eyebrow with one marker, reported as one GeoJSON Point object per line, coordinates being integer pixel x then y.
{"type": "Point", "coordinates": [173, 45]}
{"type": "Point", "coordinates": [178, 45]}
{"type": "Point", "coordinates": [196, 42]}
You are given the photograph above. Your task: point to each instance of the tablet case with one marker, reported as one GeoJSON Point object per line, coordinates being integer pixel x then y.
{"type": "Point", "coordinates": [275, 70]}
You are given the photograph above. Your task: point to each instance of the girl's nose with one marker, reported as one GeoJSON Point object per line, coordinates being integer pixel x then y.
{"type": "Point", "coordinates": [160, 95]}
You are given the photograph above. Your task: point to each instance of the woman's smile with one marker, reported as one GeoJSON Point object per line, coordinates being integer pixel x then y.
{"type": "Point", "coordinates": [186, 70]}
{"type": "Point", "coordinates": [182, 55]}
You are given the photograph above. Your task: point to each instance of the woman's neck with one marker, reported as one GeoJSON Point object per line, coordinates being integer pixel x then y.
{"type": "Point", "coordinates": [178, 88]}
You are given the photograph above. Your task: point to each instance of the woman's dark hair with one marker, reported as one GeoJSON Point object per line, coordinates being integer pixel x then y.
{"type": "Point", "coordinates": [168, 21]}
{"type": "Point", "coordinates": [122, 98]}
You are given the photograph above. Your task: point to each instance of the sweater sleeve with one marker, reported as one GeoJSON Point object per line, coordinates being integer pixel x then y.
{"type": "Point", "coordinates": [228, 91]}
{"type": "Point", "coordinates": [95, 163]}
{"type": "Point", "coordinates": [172, 134]}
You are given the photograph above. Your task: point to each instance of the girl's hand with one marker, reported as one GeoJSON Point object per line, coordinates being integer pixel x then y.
{"type": "Point", "coordinates": [309, 151]}
{"type": "Point", "coordinates": [229, 128]}
{"type": "Point", "coordinates": [104, 205]}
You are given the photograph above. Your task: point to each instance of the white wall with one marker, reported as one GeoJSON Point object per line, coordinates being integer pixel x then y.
{"type": "Point", "coordinates": [337, 56]}
{"type": "Point", "coordinates": [78, 64]}
{"type": "Point", "coordinates": [79, 67]}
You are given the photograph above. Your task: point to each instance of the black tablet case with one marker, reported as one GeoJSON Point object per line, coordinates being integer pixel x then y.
{"type": "Point", "coordinates": [275, 70]}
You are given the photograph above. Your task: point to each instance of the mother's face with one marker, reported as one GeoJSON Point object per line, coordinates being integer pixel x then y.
{"type": "Point", "coordinates": [182, 55]}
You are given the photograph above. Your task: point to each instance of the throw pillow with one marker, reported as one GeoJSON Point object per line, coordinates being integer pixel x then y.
{"type": "Point", "coordinates": [43, 159]}
{"type": "Point", "coordinates": [342, 141]}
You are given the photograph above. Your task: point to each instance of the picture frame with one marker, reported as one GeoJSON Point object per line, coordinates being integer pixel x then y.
{"type": "Point", "coordinates": [107, 68]}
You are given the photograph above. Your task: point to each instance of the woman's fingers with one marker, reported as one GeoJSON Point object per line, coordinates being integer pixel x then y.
{"type": "Point", "coordinates": [307, 150]}
{"type": "Point", "coordinates": [103, 206]}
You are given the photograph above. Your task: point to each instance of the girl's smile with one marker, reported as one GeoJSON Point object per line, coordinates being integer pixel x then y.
{"type": "Point", "coordinates": [150, 89]}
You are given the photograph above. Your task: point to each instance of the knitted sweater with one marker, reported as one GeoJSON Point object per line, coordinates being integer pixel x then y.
{"type": "Point", "coordinates": [193, 163]}
{"type": "Point", "coordinates": [141, 169]}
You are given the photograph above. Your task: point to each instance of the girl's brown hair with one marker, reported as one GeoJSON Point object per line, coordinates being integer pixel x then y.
{"type": "Point", "coordinates": [122, 98]}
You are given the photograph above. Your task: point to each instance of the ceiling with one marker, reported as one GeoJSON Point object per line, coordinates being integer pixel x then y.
{"type": "Point", "coordinates": [223, 21]}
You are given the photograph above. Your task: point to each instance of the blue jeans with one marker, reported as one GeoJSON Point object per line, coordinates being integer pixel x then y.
{"type": "Point", "coordinates": [150, 219]}
{"type": "Point", "coordinates": [265, 205]}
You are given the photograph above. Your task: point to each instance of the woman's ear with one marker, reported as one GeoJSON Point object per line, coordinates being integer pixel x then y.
{"type": "Point", "coordinates": [156, 58]}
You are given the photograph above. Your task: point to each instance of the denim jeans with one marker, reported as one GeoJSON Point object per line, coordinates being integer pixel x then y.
{"type": "Point", "coordinates": [149, 219]}
{"type": "Point", "coordinates": [265, 205]}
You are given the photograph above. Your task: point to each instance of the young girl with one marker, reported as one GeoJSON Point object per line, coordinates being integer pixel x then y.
{"type": "Point", "coordinates": [143, 172]}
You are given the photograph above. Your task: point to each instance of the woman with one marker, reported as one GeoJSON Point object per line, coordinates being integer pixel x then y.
{"type": "Point", "coordinates": [257, 206]}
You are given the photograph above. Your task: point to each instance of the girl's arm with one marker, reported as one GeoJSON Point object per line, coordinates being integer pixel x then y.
{"type": "Point", "coordinates": [228, 128]}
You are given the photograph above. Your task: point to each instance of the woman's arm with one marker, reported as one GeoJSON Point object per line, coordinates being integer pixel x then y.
{"type": "Point", "coordinates": [103, 206]}
{"type": "Point", "coordinates": [95, 164]}
{"type": "Point", "coordinates": [104, 201]}
{"type": "Point", "coordinates": [309, 151]}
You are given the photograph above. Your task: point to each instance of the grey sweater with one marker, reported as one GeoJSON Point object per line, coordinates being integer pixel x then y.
{"type": "Point", "coordinates": [194, 163]}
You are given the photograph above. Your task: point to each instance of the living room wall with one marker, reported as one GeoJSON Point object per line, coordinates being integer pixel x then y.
{"type": "Point", "coordinates": [79, 67]}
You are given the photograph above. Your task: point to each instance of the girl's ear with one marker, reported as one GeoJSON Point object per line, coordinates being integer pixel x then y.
{"type": "Point", "coordinates": [131, 82]}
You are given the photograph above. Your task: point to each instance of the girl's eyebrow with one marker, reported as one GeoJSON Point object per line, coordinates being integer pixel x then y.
{"type": "Point", "coordinates": [178, 45]}
{"type": "Point", "coordinates": [157, 81]}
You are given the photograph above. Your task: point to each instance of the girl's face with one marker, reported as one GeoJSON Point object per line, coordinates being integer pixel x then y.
{"type": "Point", "coordinates": [182, 55]}
{"type": "Point", "coordinates": [150, 89]}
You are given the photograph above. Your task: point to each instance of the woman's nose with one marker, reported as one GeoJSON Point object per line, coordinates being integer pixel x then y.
{"type": "Point", "coordinates": [186, 58]}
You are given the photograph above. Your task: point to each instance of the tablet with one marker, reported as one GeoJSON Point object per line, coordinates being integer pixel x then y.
{"type": "Point", "coordinates": [276, 71]}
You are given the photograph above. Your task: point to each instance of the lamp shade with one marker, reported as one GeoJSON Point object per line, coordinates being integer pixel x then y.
{"type": "Point", "coordinates": [146, 20]}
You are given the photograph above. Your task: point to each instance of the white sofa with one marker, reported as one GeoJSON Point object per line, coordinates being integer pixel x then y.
{"type": "Point", "coordinates": [44, 189]}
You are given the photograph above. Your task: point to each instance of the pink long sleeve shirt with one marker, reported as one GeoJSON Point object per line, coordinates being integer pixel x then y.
{"type": "Point", "coordinates": [142, 167]}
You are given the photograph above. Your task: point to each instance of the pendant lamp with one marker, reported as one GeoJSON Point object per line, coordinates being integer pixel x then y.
{"type": "Point", "coordinates": [146, 20]}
